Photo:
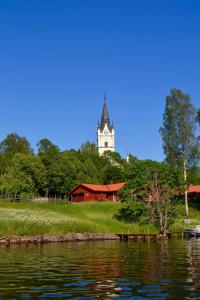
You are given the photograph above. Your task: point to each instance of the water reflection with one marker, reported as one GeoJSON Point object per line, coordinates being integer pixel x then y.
{"type": "Point", "coordinates": [102, 270]}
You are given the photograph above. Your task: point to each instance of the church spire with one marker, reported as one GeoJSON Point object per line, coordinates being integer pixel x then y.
{"type": "Point", "coordinates": [105, 119]}
{"type": "Point", "coordinates": [105, 132]}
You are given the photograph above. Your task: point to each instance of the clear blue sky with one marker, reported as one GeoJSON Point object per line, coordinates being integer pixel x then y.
{"type": "Point", "coordinates": [58, 57]}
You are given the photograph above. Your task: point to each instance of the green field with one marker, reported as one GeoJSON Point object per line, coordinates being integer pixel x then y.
{"type": "Point", "coordinates": [47, 218]}
{"type": "Point", "coordinates": [43, 218]}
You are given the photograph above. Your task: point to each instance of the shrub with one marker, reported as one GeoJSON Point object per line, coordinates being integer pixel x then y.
{"type": "Point", "coordinates": [133, 211]}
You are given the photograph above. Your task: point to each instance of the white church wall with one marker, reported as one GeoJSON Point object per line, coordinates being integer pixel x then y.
{"type": "Point", "coordinates": [106, 140]}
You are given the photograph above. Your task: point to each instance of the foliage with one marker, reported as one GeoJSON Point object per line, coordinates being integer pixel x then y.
{"type": "Point", "coordinates": [25, 176]}
{"type": "Point", "coordinates": [89, 147]}
{"type": "Point", "coordinates": [198, 121]}
{"type": "Point", "coordinates": [198, 116]}
{"type": "Point", "coordinates": [53, 173]}
{"type": "Point", "coordinates": [155, 185]}
{"type": "Point", "coordinates": [58, 171]}
{"type": "Point", "coordinates": [164, 189]}
{"type": "Point", "coordinates": [180, 144]}
{"type": "Point", "coordinates": [11, 145]}
{"type": "Point", "coordinates": [133, 211]}
{"type": "Point", "coordinates": [178, 131]}
{"type": "Point", "coordinates": [49, 155]}
{"type": "Point", "coordinates": [114, 157]}
{"type": "Point", "coordinates": [113, 174]}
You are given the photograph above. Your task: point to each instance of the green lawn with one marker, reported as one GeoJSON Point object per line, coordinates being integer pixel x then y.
{"type": "Point", "coordinates": [43, 218]}
{"type": "Point", "coordinates": [47, 218]}
{"type": "Point", "coordinates": [194, 215]}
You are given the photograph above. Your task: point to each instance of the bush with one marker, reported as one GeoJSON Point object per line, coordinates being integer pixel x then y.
{"type": "Point", "coordinates": [133, 211]}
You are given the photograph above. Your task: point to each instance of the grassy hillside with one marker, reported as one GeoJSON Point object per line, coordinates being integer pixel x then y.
{"type": "Point", "coordinates": [194, 215]}
{"type": "Point", "coordinates": [43, 218]}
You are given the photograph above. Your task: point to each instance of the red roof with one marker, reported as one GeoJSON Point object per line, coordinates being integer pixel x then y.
{"type": "Point", "coordinates": [102, 188]}
{"type": "Point", "coordinates": [194, 189]}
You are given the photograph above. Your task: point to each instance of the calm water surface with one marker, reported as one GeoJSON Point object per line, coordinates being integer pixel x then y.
{"type": "Point", "coordinates": [102, 270]}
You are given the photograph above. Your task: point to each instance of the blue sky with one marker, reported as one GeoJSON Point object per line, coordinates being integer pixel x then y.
{"type": "Point", "coordinates": [58, 57]}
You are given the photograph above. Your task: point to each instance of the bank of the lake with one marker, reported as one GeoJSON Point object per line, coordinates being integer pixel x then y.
{"type": "Point", "coordinates": [30, 219]}
{"type": "Point", "coordinates": [33, 219]}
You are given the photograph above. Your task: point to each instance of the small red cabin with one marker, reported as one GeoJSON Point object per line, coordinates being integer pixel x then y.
{"type": "Point", "coordinates": [194, 189]}
{"type": "Point", "coordinates": [194, 192]}
{"type": "Point", "coordinates": [95, 192]}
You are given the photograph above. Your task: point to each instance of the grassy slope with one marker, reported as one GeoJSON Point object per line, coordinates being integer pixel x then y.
{"type": "Point", "coordinates": [41, 218]}
{"type": "Point", "coordinates": [194, 215]}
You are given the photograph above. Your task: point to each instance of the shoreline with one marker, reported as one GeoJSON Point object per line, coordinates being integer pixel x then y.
{"type": "Point", "coordinates": [46, 238]}
{"type": "Point", "coordinates": [71, 237]}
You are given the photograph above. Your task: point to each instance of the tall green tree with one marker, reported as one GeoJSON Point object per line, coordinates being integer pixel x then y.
{"type": "Point", "coordinates": [178, 133]}
{"type": "Point", "coordinates": [89, 147]}
{"type": "Point", "coordinates": [26, 176]}
{"type": "Point", "coordinates": [198, 118]}
{"type": "Point", "coordinates": [12, 144]}
{"type": "Point", "coordinates": [50, 157]}
{"type": "Point", "coordinates": [113, 174]}
{"type": "Point", "coordinates": [150, 193]}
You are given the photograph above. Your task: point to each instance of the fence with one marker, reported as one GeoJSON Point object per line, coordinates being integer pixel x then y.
{"type": "Point", "coordinates": [11, 198]}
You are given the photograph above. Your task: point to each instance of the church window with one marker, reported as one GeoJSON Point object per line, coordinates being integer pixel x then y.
{"type": "Point", "coordinates": [106, 144]}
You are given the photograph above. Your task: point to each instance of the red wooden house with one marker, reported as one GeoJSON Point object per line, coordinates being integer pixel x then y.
{"type": "Point", "coordinates": [194, 189]}
{"type": "Point", "coordinates": [95, 192]}
{"type": "Point", "coordinates": [194, 192]}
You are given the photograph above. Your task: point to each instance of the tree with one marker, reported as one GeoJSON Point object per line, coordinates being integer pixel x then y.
{"type": "Point", "coordinates": [72, 170]}
{"type": "Point", "coordinates": [198, 119]}
{"type": "Point", "coordinates": [165, 187]}
{"type": "Point", "coordinates": [50, 157]}
{"type": "Point", "coordinates": [198, 116]}
{"type": "Point", "coordinates": [113, 174]}
{"type": "Point", "coordinates": [150, 193]}
{"type": "Point", "coordinates": [25, 176]}
{"type": "Point", "coordinates": [89, 147]}
{"type": "Point", "coordinates": [11, 145]}
{"type": "Point", "coordinates": [45, 146]}
{"type": "Point", "coordinates": [178, 134]}
{"type": "Point", "coordinates": [91, 173]}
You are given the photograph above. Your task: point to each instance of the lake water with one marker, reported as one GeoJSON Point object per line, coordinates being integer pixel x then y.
{"type": "Point", "coordinates": [102, 270]}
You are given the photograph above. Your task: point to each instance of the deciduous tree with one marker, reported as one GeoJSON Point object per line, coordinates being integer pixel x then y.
{"type": "Point", "coordinates": [11, 145]}
{"type": "Point", "coordinates": [178, 133]}
{"type": "Point", "coordinates": [150, 193]}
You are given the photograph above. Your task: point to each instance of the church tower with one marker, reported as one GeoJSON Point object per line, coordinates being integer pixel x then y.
{"type": "Point", "coordinates": [105, 132]}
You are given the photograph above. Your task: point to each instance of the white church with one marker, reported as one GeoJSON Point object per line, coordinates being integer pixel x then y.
{"type": "Point", "coordinates": [105, 132]}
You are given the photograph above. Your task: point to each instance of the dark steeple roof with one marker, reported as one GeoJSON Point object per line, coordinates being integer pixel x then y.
{"type": "Point", "coordinates": [105, 117]}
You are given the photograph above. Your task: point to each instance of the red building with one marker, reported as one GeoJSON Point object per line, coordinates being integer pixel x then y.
{"type": "Point", "coordinates": [194, 192]}
{"type": "Point", "coordinates": [194, 189]}
{"type": "Point", "coordinates": [95, 192]}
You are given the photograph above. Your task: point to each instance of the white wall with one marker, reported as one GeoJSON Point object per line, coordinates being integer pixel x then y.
{"type": "Point", "coordinates": [103, 137]}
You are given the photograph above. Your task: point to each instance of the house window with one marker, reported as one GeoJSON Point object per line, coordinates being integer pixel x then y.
{"type": "Point", "coordinates": [106, 144]}
{"type": "Point", "coordinates": [78, 197]}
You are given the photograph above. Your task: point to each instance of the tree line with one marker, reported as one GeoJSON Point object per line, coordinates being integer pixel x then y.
{"type": "Point", "coordinates": [52, 172]}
